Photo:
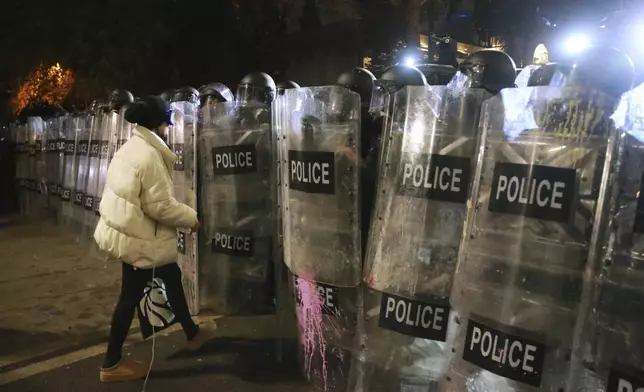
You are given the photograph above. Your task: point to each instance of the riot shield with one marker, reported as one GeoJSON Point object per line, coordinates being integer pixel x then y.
{"type": "Point", "coordinates": [35, 126]}
{"type": "Point", "coordinates": [611, 339]}
{"type": "Point", "coordinates": [538, 207]}
{"type": "Point", "coordinates": [40, 191]}
{"type": "Point", "coordinates": [321, 201]}
{"type": "Point", "coordinates": [524, 76]}
{"type": "Point", "coordinates": [52, 165]}
{"type": "Point", "coordinates": [103, 128]}
{"type": "Point", "coordinates": [22, 164]}
{"type": "Point", "coordinates": [237, 207]}
{"type": "Point", "coordinates": [284, 288]}
{"type": "Point", "coordinates": [60, 176]}
{"type": "Point", "coordinates": [182, 140]}
{"type": "Point", "coordinates": [74, 126]}
{"type": "Point", "coordinates": [424, 183]}
{"type": "Point", "coordinates": [82, 170]}
{"type": "Point", "coordinates": [124, 131]}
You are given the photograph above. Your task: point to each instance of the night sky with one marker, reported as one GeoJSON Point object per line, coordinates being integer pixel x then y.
{"type": "Point", "coordinates": [148, 46]}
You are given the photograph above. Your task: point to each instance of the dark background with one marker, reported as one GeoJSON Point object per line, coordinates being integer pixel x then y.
{"type": "Point", "coordinates": [148, 46]}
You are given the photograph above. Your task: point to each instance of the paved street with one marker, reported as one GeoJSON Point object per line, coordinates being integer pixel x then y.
{"type": "Point", "coordinates": [54, 317]}
{"type": "Point", "coordinates": [241, 359]}
{"type": "Point", "coordinates": [54, 296]}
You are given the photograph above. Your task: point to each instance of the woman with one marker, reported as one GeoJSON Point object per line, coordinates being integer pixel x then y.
{"type": "Point", "coordinates": [138, 226]}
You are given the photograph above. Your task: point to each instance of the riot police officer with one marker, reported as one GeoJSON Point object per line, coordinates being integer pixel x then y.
{"type": "Point", "coordinates": [186, 94]}
{"type": "Point", "coordinates": [215, 93]}
{"type": "Point", "coordinates": [285, 85]}
{"type": "Point", "coordinates": [167, 95]}
{"type": "Point", "coordinates": [392, 80]}
{"type": "Point", "coordinates": [361, 81]}
{"type": "Point", "coordinates": [551, 74]}
{"type": "Point", "coordinates": [118, 98]}
{"type": "Point", "coordinates": [609, 340]}
{"type": "Point", "coordinates": [488, 69]}
{"type": "Point", "coordinates": [257, 87]}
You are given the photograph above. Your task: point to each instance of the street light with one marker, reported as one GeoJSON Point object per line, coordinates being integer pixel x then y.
{"type": "Point", "coordinates": [577, 43]}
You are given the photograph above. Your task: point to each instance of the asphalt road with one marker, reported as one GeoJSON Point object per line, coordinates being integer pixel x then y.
{"type": "Point", "coordinates": [243, 358]}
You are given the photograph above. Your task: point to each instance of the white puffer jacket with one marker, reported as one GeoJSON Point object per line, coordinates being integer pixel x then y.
{"type": "Point", "coordinates": [139, 214]}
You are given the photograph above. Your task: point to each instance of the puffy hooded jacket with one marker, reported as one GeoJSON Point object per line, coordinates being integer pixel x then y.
{"type": "Point", "coordinates": [139, 214]}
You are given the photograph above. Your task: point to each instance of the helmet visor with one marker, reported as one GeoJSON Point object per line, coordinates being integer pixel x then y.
{"type": "Point", "coordinates": [382, 89]}
{"type": "Point", "coordinates": [248, 93]}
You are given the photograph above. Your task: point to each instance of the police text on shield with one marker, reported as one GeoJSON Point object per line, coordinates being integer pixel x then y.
{"type": "Point", "coordinates": [312, 171]}
{"type": "Point", "coordinates": [236, 159]}
{"type": "Point", "coordinates": [414, 318]}
{"type": "Point", "coordinates": [233, 243]}
{"type": "Point", "coordinates": [510, 355]}
{"type": "Point", "coordinates": [541, 192]}
{"type": "Point", "coordinates": [625, 379]}
{"type": "Point", "coordinates": [436, 177]}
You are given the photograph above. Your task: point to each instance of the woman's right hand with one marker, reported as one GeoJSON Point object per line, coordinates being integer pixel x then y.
{"type": "Point", "coordinates": [195, 228]}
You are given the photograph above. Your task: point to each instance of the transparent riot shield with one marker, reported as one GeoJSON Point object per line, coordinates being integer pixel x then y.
{"type": "Point", "coordinates": [538, 206]}
{"type": "Point", "coordinates": [103, 128]}
{"type": "Point", "coordinates": [321, 201]}
{"type": "Point", "coordinates": [284, 288]}
{"type": "Point", "coordinates": [124, 131]}
{"type": "Point", "coordinates": [237, 208]}
{"type": "Point", "coordinates": [60, 144]}
{"type": "Point", "coordinates": [425, 176]}
{"type": "Point", "coordinates": [182, 140]}
{"type": "Point", "coordinates": [21, 166]}
{"type": "Point", "coordinates": [40, 172]}
{"type": "Point", "coordinates": [611, 339]}
{"type": "Point", "coordinates": [82, 169]}
{"type": "Point", "coordinates": [52, 165]}
{"type": "Point", "coordinates": [35, 126]}
{"type": "Point", "coordinates": [74, 126]}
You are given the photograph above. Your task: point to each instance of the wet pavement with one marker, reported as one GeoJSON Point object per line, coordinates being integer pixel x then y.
{"type": "Point", "coordinates": [242, 358]}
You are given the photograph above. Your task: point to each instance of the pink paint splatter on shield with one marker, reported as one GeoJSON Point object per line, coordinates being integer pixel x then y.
{"type": "Point", "coordinates": [310, 319]}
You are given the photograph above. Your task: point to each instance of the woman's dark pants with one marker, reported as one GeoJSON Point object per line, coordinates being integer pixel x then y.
{"type": "Point", "coordinates": [133, 285]}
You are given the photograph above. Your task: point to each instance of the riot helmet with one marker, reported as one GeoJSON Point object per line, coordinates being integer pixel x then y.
{"type": "Point", "coordinates": [392, 80]}
{"type": "Point", "coordinates": [283, 86]}
{"type": "Point", "coordinates": [167, 95]}
{"type": "Point", "coordinates": [551, 74]}
{"type": "Point", "coordinates": [437, 74]}
{"type": "Point", "coordinates": [598, 77]}
{"type": "Point", "coordinates": [488, 69]}
{"type": "Point", "coordinates": [118, 98]}
{"type": "Point", "coordinates": [186, 94]}
{"type": "Point", "coordinates": [215, 93]}
{"type": "Point", "coordinates": [524, 74]}
{"type": "Point", "coordinates": [604, 68]}
{"type": "Point", "coordinates": [358, 80]}
{"type": "Point", "coordinates": [256, 87]}
{"type": "Point", "coordinates": [98, 106]}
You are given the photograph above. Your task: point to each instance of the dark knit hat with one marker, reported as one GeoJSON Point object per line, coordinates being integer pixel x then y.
{"type": "Point", "coordinates": [150, 112]}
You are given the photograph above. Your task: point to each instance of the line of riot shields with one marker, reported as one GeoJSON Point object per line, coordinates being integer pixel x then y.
{"type": "Point", "coordinates": [61, 165]}
{"type": "Point", "coordinates": [503, 248]}
{"type": "Point", "coordinates": [475, 236]}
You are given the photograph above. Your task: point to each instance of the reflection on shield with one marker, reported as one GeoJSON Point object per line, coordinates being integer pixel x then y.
{"type": "Point", "coordinates": [320, 160]}
{"type": "Point", "coordinates": [237, 202]}
{"type": "Point", "coordinates": [539, 202]}
{"type": "Point", "coordinates": [182, 139]}
{"type": "Point", "coordinates": [613, 334]}
{"type": "Point", "coordinates": [425, 174]}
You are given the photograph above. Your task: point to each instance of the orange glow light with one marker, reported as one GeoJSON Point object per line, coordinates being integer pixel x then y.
{"type": "Point", "coordinates": [44, 84]}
